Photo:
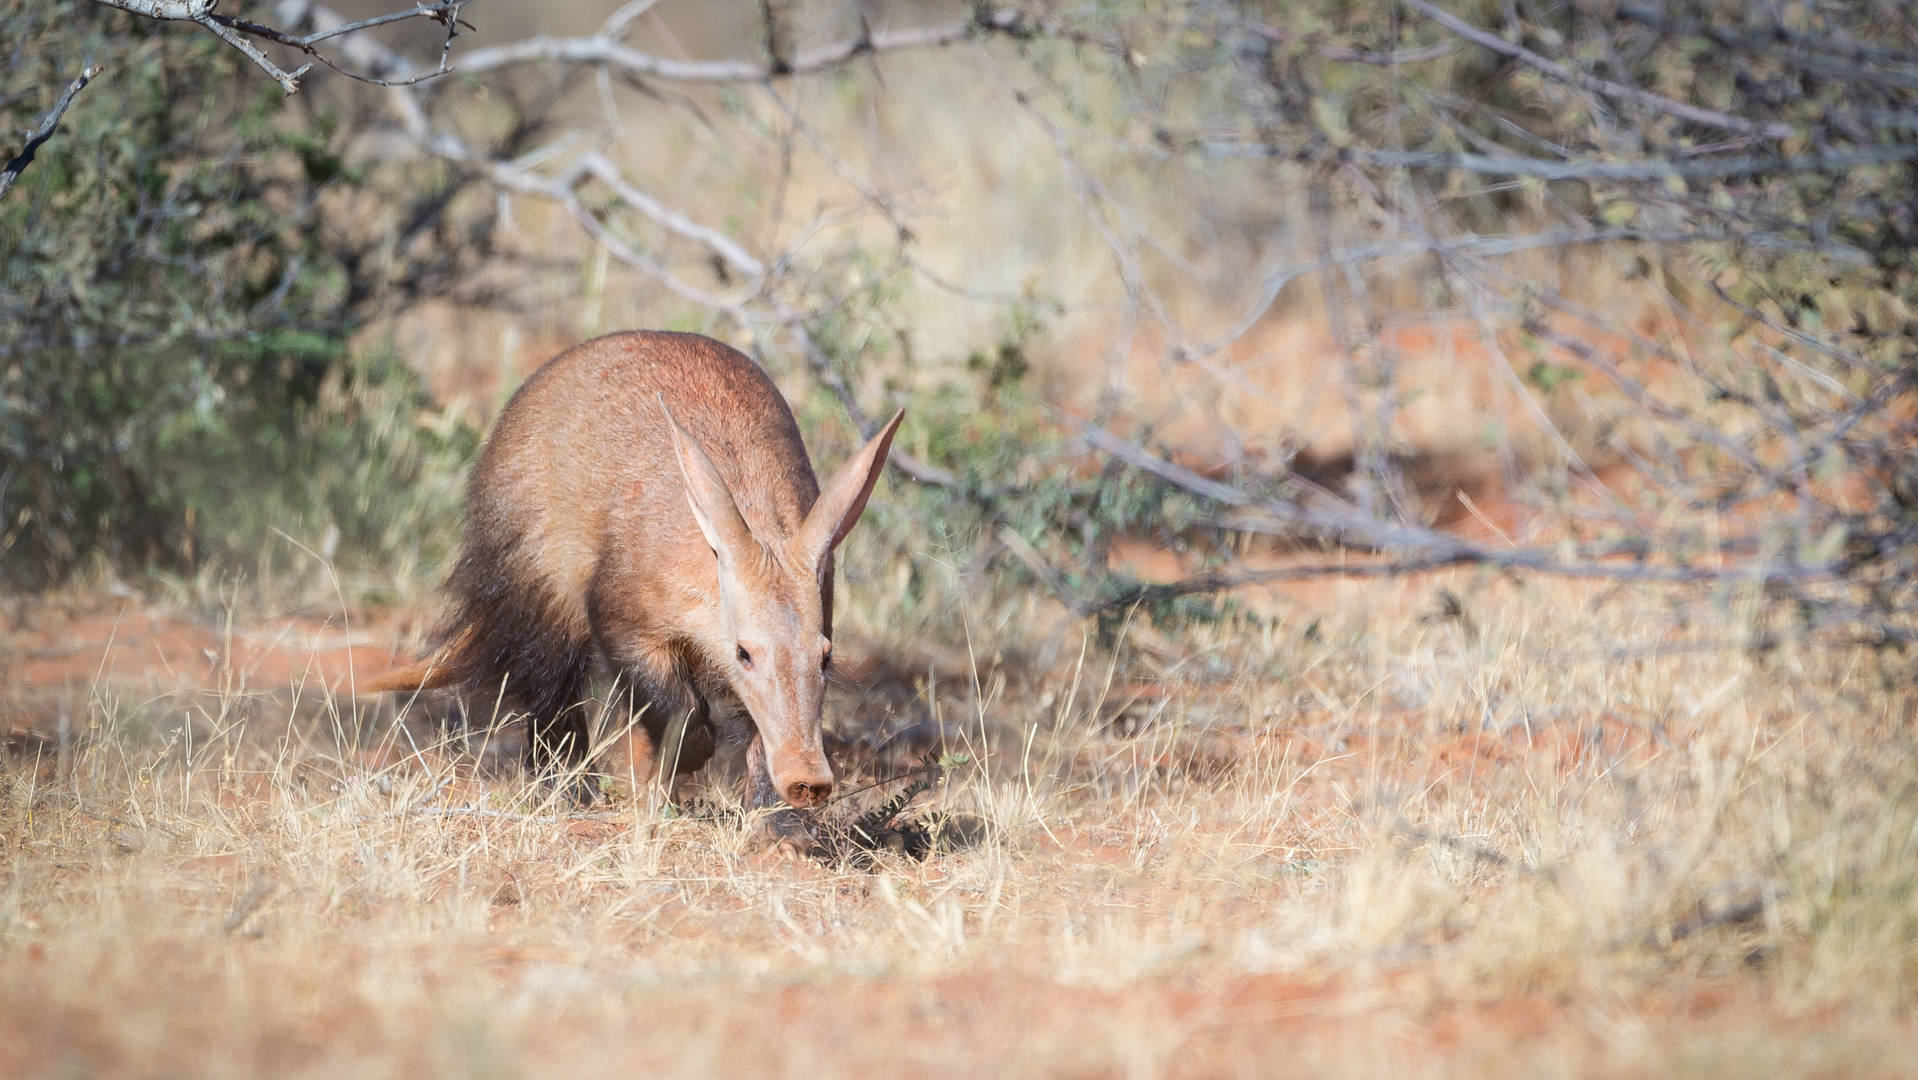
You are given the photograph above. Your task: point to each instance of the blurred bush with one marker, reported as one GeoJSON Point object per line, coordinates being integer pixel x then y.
{"type": "Point", "coordinates": [180, 279]}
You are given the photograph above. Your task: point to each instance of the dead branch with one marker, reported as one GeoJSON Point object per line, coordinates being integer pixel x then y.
{"type": "Point", "coordinates": [365, 51]}
{"type": "Point", "coordinates": [1849, 59]}
{"type": "Point", "coordinates": [1589, 563]}
{"type": "Point", "coordinates": [38, 135]}
{"type": "Point", "coordinates": [446, 14]}
{"type": "Point", "coordinates": [164, 9]}
{"type": "Point", "coordinates": [606, 48]}
{"type": "Point", "coordinates": [1421, 548]}
{"type": "Point", "coordinates": [235, 32]}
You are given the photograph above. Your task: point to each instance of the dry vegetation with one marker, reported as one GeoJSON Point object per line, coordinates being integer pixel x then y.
{"type": "Point", "coordinates": [1396, 841]}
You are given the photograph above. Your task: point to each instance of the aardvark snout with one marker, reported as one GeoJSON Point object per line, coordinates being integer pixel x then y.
{"type": "Point", "coordinates": [806, 786]}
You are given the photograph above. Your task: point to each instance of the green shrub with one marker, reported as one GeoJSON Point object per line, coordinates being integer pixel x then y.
{"type": "Point", "coordinates": [180, 277]}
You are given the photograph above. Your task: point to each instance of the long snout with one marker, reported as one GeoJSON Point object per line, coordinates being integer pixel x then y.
{"type": "Point", "coordinates": [786, 754]}
{"type": "Point", "coordinates": [803, 780]}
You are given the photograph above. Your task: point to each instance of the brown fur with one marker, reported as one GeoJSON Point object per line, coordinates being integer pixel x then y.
{"type": "Point", "coordinates": [645, 508]}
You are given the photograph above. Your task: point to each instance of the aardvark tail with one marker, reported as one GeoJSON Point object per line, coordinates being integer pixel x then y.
{"type": "Point", "coordinates": [431, 673]}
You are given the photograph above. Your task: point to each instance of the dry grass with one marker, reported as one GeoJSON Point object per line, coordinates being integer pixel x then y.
{"type": "Point", "coordinates": [1393, 843]}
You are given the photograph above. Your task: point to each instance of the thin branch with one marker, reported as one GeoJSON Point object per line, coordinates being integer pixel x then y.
{"type": "Point", "coordinates": [1593, 564]}
{"type": "Point", "coordinates": [1481, 852]}
{"type": "Point", "coordinates": [778, 36]}
{"type": "Point", "coordinates": [38, 135]}
{"type": "Point", "coordinates": [1724, 906]}
{"type": "Point", "coordinates": [562, 189]}
{"type": "Point", "coordinates": [603, 170]}
{"type": "Point", "coordinates": [365, 51]}
{"type": "Point", "coordinates": [246, 905]}
{"type": "Point", "coordinates": [288, 80]}
{"type": "Point", "coordinates": [1881, 637]}
{"type": "Point", "coordinates": [606, 48]}
{"type": "Point", "coordinates": [1423, 548]}
{"type": "Point", "coordinates": [229, 28]}
{"type": "Point", "coordinates": [1816, 344]}
{"type": "Point", "coordinates": [505, 815]}
{"type": "Point", "coordinates": [440, 13]}
{"type": "Point", "coordinates": [822, 368]}
{"type": "Point", "coordinates": [184, 10]}
{"type": "Point", "coordinates": [447, 14]}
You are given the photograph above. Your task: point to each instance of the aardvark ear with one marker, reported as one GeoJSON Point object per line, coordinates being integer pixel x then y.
{"type": "Point", "coordinates": [844, 497]}
{"type": "Point", "coordinates": [712, 501]}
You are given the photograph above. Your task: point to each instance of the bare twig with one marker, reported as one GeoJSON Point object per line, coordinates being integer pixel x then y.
{"type": "Point", "coordinates": [288, 80]}
{"type": "Point", "coordinates": [606, 48]}
{"type": "Point", "coordinates": [1421, 548]}
{"type": "Point", "coordinates": [446, 14]}
{"type": "Point", "coordinates": [1588, 563]}
{"type": "Point", "coordinates": [164, 9]}
{"type": "Point", "coordinates": [38, 135]}
{"type": "Point", "coordinates": [366, 52]}
{"type": "Point", "coordinates": [926, 766]}
{"type": "Point", "coordinates": [617, 23]}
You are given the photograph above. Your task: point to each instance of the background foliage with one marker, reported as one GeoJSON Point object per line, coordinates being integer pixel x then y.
{"type": "Point", "coordinates": [1609, 196]}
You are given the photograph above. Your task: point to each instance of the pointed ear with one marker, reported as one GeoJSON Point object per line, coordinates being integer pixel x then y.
{"type": "Point", "coordinates": [711, 500]}
{"type": "Point", "coordinates": [844, 497]}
